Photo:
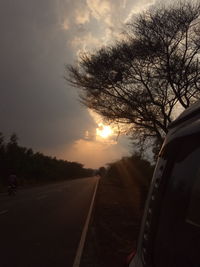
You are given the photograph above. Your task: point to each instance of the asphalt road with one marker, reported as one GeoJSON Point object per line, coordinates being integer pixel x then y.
{"type": "Point", "coordinates": [42, 226]}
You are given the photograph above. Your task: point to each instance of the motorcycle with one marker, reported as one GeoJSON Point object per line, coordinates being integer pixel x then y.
{"type": "Point", "coordinates": [12, 190]}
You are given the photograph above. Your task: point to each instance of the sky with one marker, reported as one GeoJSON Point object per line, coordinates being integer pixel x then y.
{"type": "Point", "coordinates": [38, 37]}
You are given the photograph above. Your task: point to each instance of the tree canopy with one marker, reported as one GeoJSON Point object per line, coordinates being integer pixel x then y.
{"type": "Point", "coordinates": [143, 79]}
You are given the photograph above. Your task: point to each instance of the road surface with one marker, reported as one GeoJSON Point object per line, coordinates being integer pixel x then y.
{"type": "Point", "coordinates": [42, 227]}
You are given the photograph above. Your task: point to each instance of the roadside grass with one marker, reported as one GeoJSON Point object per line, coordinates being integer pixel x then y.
{"type": "Point", "coordinates": [117, 215]}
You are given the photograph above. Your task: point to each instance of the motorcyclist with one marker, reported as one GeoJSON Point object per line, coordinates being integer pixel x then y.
{"type": "Point", "coordinates": [12, 183]}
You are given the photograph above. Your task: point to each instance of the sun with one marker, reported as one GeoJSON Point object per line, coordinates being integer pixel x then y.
{"type": "Point", "coordinates": [104, 131]}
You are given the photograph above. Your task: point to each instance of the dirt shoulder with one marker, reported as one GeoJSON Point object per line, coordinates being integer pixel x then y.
{"type": "Point", "coordinates": [114, 226]}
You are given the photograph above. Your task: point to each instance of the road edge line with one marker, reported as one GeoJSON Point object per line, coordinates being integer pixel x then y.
{"type": "Point", "coordinates": [84, 232]}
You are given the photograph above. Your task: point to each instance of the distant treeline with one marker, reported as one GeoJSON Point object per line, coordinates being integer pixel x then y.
{"type": "Point", "coordinates": [32, 168]}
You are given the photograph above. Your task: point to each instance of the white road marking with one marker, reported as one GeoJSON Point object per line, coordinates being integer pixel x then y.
{"type": "Point", "coordinates": [84, 233]}
{"type": "Point", "coordinates": [41, 197]}
{"type": "Point", "coordinates": [3, 212]}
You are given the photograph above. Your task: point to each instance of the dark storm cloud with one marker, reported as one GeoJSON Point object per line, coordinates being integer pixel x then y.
{"type": "Point", "coordinates": [35, 101]}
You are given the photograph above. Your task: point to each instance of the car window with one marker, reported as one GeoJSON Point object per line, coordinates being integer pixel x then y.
{"type": "Point", "coordinates": [177, 237]}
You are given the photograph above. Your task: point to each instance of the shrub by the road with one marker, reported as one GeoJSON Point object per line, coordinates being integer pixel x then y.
{"type": "Point", "coordinates": [135, 174]}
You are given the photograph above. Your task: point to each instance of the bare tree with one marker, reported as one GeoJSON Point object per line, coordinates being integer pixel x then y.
{"type": "Point", "coordinates": [142, 80]}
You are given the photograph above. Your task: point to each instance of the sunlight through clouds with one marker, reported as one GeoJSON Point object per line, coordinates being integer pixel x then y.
{"type": "Point", "coordinates": [104, 131]}
{"type": "Point", "coordinates": [82, 15]}
{"type": "Point", "coordinates": [97, 23]}
{"type": "Point", "coordinates": [85, 43]}
{"type": "Point", "coordinates": [65, 25]}
{"type": "Point", "coordinates": [138, 7]}
{"type": "Point", "coordinates": [95, 153]}
{"type": "Point", "coordinates": [99, 8]}
{"type": "Point", "coordinates": [50, 35]}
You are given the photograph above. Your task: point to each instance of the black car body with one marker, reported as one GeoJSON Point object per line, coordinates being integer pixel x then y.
{"type": "Point", "coordinates": [170, 230]}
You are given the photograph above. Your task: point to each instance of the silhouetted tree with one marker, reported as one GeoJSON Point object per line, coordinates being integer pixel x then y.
{"type": "Point", "coordinates": [142, 80]}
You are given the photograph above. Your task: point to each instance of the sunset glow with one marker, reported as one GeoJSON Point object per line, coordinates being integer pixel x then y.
{"type": "Point", "coordinates": [104, 131]}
